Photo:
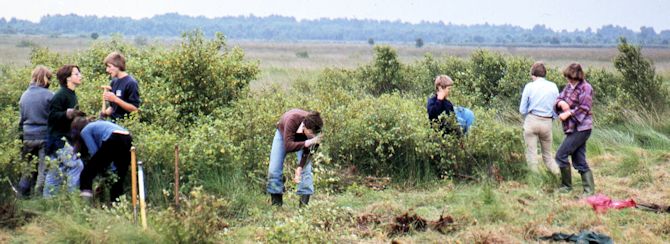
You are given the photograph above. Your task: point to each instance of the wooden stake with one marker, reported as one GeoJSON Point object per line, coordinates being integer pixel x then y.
{"type": "Point", "coordinates": [104, 103]}
{"type": "Point", "coordinates": [133, 182]}
{"type": "Point", "coordinates": [176, 175]}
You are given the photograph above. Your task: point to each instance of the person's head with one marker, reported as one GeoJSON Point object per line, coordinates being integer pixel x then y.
{"type": "Point", "coordinates": [574, 72]}
{"type": "Point", "coordinates": [313, 124]}
{"type": "Point", "coordinates": [443, 82]}
{"type": "Point", "coordinates": [41, 76]}
{"type": "Point", "coordinates": [69, 73]}
{"type": "Point", "coordinates": [538, 69]}
{"type": "Point", "coordinates": [77, 125]}
{"type": "Point", "coordinates": [116, 63]}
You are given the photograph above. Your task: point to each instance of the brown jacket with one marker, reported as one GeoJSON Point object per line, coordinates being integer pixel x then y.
{"type": "Point", "coordinates": [288, 125]}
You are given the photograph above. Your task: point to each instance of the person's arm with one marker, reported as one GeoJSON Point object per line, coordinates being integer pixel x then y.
{"type": "Point", "coordinates": [57, 110]}
{"type": "Point", "coordinates": [585, 102]}
{"type": "Point", "coordinates": [87, 137]}
{"type": "Point", "coordinates": [290, 144]}
{"type": "Point", "coordinates": [22, 117]}
{"type": "Point", "coordinates": [561, 103]}
{"type": "Point", "coordinates": [111, 97]}
{"type": "Point", "coordinates": [523, 106]}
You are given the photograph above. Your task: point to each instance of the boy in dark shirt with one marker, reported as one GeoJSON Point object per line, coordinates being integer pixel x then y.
{"type": "Point", "coordinates": [123, 92]}
{"type": "Point", "coordinates": [438, 104]}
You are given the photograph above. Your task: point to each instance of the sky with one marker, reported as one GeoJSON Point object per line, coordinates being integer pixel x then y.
{"type": "Point", "coordinates": [555, 14]}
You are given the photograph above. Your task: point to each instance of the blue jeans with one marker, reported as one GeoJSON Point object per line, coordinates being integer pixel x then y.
{"type": "Point", "coordinates": [68, 166]}
{"type": "Point", "coordinates": [276, 168]}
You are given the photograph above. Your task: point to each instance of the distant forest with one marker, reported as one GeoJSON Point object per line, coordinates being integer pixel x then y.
{"type": "Point", "coordinates": [281, 28]}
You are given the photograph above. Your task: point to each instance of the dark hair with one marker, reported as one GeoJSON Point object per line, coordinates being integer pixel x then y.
{"type": "Point", "coordinates": [77, 125]}
{"type": "Point", "coordinates": [116, 59]}
{"type": "Point", "coordinates": [313, 121]}
{"type": "Point", "coordinates": [538, 69]}
{"type": "Point", "coordinates": [574, 72]}
{"type": "Point", "coordinates": [65, 72]}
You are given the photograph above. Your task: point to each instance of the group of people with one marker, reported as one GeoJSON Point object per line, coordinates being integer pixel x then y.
{"type": "Point", "coordinates": [62, 143]}
{"type": "Point", "coordinates": [299, 130]}
{"type": "Point", "coordinates": [541, 103]}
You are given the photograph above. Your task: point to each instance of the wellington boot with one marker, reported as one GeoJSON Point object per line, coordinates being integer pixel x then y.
{"type": "Point", "coordinates": [587, 183]}
{"type": "Point", "coordinates": [304, 200]}
{"type": "Point", "coordinates": [277, 200]}
{"type": "Point", "coordinates": [566, 180]}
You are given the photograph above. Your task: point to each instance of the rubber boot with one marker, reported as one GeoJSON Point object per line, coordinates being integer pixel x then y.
{"type": "Point", "coordinates": [587, 183]}
{"type": "Point", "coordinates": [277, 200]}
{"type": "Point", "coordinates": [304, 200]}
{"type": "Point", "coordinates": [566, 180]}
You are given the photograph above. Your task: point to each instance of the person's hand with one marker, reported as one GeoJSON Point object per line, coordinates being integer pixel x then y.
{"type": "Point", "coordinates": [564, 106]}
{"type": "Point", "coordinates": [565, 115]}
{"type": "Point", "coordinates": [298, 174]}
{"type": "Point", "coordinates": [109, 96]}
{"type": "Point", "coordinates": [315, 140]}
{"type": "Point", "coordinates": [441, 93]}
{"type": "Point", "coordinates": [106, 88]}
{"type": "Point", "coordinates": [69, 113]}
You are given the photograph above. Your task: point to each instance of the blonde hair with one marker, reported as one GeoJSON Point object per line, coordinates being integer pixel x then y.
{"type": "Point", "coordinates": [443, 81]}
{"type": "Point", "coordinates": [41, 76]}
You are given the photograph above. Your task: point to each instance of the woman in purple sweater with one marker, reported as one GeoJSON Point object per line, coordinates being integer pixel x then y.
{"type": "Point", "coordinates": [574, 108]}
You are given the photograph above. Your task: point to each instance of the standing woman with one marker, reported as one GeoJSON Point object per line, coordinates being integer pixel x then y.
{"type": "Point", "coordinates": [34, 112]}
{"type": "Point", "coordinates": [105, 142]}
{"type": "Point", "coordinates": [62, 109]}
{"type": "Point", "coordinates": [574, 108]}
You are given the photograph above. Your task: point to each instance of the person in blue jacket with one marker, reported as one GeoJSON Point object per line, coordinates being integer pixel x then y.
{"type": "Point", "coordinates": [103, 142]}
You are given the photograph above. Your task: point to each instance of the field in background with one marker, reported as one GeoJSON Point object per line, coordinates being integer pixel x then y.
{"type": "Point", "coordinates": [283, 62]}
{"type": "Point", "coordinates": [629, 160]}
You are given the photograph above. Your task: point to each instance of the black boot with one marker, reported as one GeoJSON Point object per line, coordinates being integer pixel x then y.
{"type": "Point", "coordinates": [566, 179]}
{"type": "Point", "coordinates": [277, 200]}
{"type": "Point", "coordinates": [304, 200]}
{"type": "Point", "coordinates": [587, 183]}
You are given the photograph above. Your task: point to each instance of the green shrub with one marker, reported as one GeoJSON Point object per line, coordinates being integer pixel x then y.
{"type": "Point", "coordinates": [199, 219]}
{"type": "Point", "coordinates": [640, 80]}
{"type": "Point", "coordinates": [384, 75]}
{"type": "Point", "coordinates": [489, 68]}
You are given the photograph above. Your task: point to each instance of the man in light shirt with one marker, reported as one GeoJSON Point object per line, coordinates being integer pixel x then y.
{"type": "Point", "coordinates": [536, 106]}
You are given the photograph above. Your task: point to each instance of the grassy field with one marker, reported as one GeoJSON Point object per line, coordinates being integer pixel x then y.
{"type": "Point", "coordinates": [284, 62]}
{"type": "Point", "coordinates": [628, 161]}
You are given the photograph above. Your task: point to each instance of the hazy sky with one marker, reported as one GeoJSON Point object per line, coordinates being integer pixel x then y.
{"type": "Point", "coordinates": [556, 14]}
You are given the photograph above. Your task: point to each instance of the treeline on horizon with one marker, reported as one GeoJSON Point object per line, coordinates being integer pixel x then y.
{"type": "Point", "coordinates": [281, 28]}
